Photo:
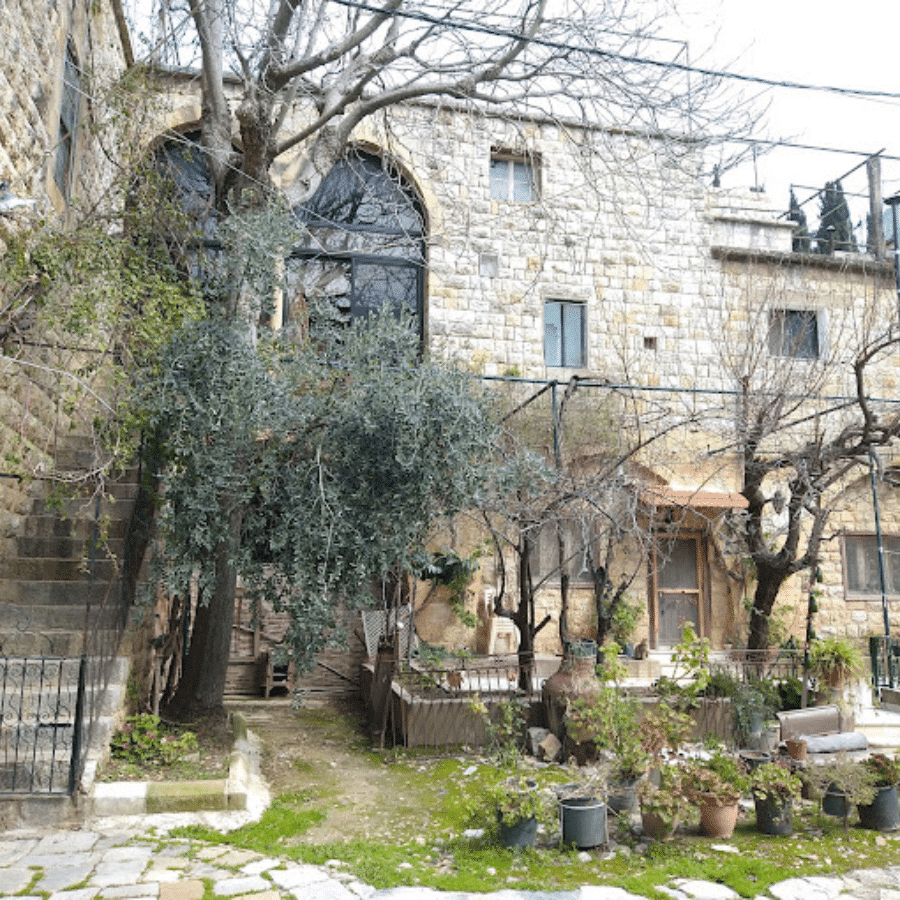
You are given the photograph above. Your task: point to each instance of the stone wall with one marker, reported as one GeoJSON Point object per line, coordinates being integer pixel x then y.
{"type": "Point", "coordinates": [677, 279]}
{"type": "Point", "coordinates": [36, 375]}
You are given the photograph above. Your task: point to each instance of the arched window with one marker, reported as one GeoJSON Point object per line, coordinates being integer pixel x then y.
{"type": "Point", "coordinates": [365, 242]}
{"type": "Point", "coordinates": [176, 191]}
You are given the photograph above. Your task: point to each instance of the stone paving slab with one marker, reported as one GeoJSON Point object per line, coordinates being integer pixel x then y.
{"type": "Point", "coordinates": [56, 879]}
{"type": "Point", "coordinates": [232, 887]}
{"type": "Point", "coordinates": [123, 891]}
{"type": "Point", "coordinates": [294, 877]}
{"type": "Point", "coordinates": [135, 870]}
{"type": "Point", "coordinates": [191, 889]}
{"type": "Point", "coordinates": [15, 879]}
{"type": "Point", "coordinates": [78, 894]}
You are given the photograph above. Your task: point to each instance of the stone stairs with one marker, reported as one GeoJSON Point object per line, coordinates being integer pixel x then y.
{"type": "Point", "coordinates": [59, 587]}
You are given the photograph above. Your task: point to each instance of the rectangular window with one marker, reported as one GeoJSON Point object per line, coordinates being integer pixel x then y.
{"type": "Point", "coordinates": [861, 571]}
{"type": "Point", "coordinates": [68, 123]}
{"type": "Point", "coordinates": [513, 178]}
{"type": "Point", "coordinates": [794, 332]}
{"type": "Point", "coordinates": [575, 560]}
{"type": "Point", "coordinates": [564, 333]}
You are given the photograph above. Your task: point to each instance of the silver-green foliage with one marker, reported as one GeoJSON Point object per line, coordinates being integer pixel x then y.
{"type": "Point", "coordinates": [337, 458]}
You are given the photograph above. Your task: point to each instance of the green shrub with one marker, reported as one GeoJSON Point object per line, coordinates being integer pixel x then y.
{"type": "Point", "coordinates": [145, 739]}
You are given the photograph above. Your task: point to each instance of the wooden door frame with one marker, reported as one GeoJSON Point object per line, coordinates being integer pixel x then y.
{"type": "Point", "coordinates": [699, 539]}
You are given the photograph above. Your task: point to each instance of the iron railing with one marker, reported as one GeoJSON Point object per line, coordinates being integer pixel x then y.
{"type": "Point", "coordinates": [884, 653]}
{"type": "Point", "coordinates": [41, 713]}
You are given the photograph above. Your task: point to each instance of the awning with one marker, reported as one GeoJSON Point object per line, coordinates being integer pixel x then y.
{"type": "Point", "coordinates": [660, 495]}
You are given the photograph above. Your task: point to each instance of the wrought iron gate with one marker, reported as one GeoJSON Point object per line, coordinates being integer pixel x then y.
{"type": "Point", "coordinates": [41, 722]}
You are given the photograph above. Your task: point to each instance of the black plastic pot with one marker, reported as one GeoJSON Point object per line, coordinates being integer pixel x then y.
{"type": "Point", "coordinates": [583, 822]}
{"type": "Point", "coordinates": [835, 802]}
{"type": "Point", "coordinates": [774, 816]}
{"type": "Point", "coordinates": [883, 813]}
{"type": "Point", "coordinates": [520, 835]}
{"type": "Point", "coordinates": [754, 758]}
{"type": "Point", "coordinates": [622, 797]}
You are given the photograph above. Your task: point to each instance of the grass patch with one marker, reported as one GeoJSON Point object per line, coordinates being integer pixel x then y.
{"type": "Point", "coordinates": [444, 859]}
{"type": "Point", "coordinates": [288, 817]}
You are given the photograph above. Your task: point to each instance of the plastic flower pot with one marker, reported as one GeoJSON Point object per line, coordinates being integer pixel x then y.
{"type": "Point", "coordinates": [774, 816]}
{"type": "Point", "coordinates": [519, 835]}
{"type": "Point", "coordinates": [583, 822]}
{"type": "Point", "coordinates": [883, 813]}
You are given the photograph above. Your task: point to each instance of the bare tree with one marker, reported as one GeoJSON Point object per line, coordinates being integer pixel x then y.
{"type": "Point", "coordinates": [568, 512]}
{"type": "Point", "coordinates": [307, 74]}
{"type": "Point", "coordinates": [808, 419]}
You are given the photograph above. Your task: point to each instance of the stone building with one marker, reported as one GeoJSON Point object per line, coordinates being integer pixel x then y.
{"type": "Point", "coordinates": [538, 251]}
{"type": "Point", "coordinates": [58, 111]}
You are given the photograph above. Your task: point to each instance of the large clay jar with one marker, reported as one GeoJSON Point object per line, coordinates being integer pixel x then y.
{"type": "Point", "coordinates": [576, 678]}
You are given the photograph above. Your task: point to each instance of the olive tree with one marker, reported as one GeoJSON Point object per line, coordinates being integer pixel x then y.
{"type": "Point", "coordinates": [313, 472]}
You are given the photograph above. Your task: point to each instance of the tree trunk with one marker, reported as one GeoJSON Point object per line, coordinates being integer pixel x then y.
{"type": "Point", "coordinates": [769, 581]}
{"type": "Point", "coordinates": [524, 615]}
{"type": "Point", "coordinates": [202, 685]}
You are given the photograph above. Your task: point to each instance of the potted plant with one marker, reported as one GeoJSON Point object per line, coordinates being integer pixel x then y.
{"type": "Point", "coordinates": [663, 729]}
{"type": "Point", "coordinates": [841, 784]}
{"type": "Point", "coordinates": [775, 786]}
{"type": "Point", "coordinates": [606, 724]}
{"type": "Point", "coordinates": [834, 661]}
{"type": "Point", "coordinates": [883, 813]}
{"type": "Point", "coordinates": [663, 802]}
{"type": "Point", "coordinates": [624, 620]}
{"type": "Point", "coordinates": [629, 766]}
{"type": "Point", "coordinates": [716, 786]}
{"type": "Point", "coordinates": [518, 806]}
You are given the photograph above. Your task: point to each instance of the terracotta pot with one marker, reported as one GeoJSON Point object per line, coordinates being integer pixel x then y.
{"type": "Point", "coordinates": [658, 828]}
{"type": "Point", "coordinates": [796, 748]}
{"type": "Point", "coordinates": [575, 678]}
{"type": "Point", "coordinates": [717, 821]}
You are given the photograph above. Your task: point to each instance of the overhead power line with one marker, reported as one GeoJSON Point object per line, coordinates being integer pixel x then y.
{"type": "Point", "coordinates": [494, 31]}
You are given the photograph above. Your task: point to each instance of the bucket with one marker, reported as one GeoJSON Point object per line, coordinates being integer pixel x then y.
{"type": "Point", "coordinates": [583, 822]}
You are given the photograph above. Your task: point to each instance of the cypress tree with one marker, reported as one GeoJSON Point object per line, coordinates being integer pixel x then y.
{"type": "Point", "coordinates": [801, 240]}
{"type": "Point", "coordinates": [835, 227]}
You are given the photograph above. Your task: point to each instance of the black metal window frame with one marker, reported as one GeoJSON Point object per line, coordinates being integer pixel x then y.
{"type": "Point", "coordinates": [795, 333]}
{"type": "Point", "coordinates": [862, 580]}
{"type": "Point", "coordinates": [356, 259]}
{"type": "Point", "coordinates": [69, 111]}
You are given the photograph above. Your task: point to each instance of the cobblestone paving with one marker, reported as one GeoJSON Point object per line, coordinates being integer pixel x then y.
{"type": "Point", "coordinates": [119, 864]}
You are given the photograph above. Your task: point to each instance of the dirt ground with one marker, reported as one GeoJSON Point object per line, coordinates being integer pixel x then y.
{"type": "Point", "coordinates": [321, 751]}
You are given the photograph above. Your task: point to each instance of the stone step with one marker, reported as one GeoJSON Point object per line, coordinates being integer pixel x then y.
{"type": "Point", "coordinates": [22, 568]}
{"type": "Point", "coordinates": [83, 507]}
{"type": "Point", "coordinates": [54, 525]}
{"type": "Point", "coordinates": [50, 642]}
{"type": "Point", "coordinates": [54, 547]}
{"type": "Point", "coordinates": [54, 593]}
{"type": "Point", "coordinates": [18, 618]}
{"type": "Point", "coordinates": [75, 453]}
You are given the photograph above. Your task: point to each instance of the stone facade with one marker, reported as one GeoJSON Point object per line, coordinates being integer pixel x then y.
{"type": "Point", "coordinates": [672, 282]}
{"type": "Point", "coordinates": [54, 144]}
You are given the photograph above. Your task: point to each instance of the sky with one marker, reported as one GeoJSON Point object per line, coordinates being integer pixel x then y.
{"type": "Point", "coordinates": [848, 45]}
